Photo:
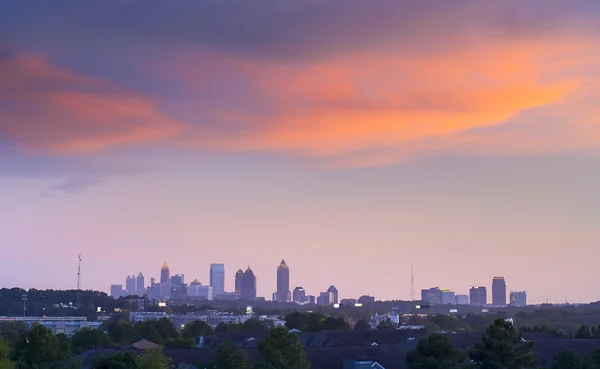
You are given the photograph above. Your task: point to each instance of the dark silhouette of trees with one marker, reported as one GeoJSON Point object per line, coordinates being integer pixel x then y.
{"type": "Point", "coordinates": [39, 348]}
{"type": "Point", "coordinates": [362, 326]}
{"type": "Point", "coordinates": [502, 347]}
{"type": "Point", "coordinates": [568, 359]}
{"type": "Point", "coordinates": [87, 338]}
{"type": "Point", "coordinates": [437, 352]}
{"type": "Point", "coordinates": [229, 356]}
{"type": "Point", "coordinates": [583, 332]}
{"type": "Point", "coordinates": [313, 322]}
{"type": "Point", "coordinates": [180, 342]}
{"type": "Point", "coordinates": [121, 360]}
{"type": "Point", "coordinates": [282, 350]}
{"type": "Point", "coordinates": [196, 329]}
{"type": "Point", "coordinates": [386, 324]}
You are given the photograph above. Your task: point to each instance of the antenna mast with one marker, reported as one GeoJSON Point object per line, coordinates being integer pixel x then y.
{"type": "Point", "coordinates": [412, 282]}
{"type": "Point", "coordinates": [79, 274]}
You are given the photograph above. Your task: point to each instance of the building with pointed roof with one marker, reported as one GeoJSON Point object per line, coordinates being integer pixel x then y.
{"type": "Point", "coordinates": [239, 275]}
{"type": "Point", "coordinates": [140, 286]}
{"type": "Point", "coordinates": [248, 286]}
{"type": "Point", "coordinates": [165, 273]}
{"type": "Point", "coordinates": [283, 282]}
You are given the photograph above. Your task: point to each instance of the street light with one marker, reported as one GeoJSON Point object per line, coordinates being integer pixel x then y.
{"type": "Point", "coordinates": [24, 298]}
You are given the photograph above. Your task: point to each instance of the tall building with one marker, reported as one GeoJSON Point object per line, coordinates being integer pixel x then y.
{"type": "Point", "coordinates": [499, 291]}
{"type": "Point", "coordinates": [248, 286]}
{"type": "Point", "coordinates": [462, 299]}
{"type": "Point", "coordinates": [518, 298]}
{"type": "Point", "coordinates": [448, 297]}
{"type": "Point", "coordinates": [299, 295]}
{"type": "Point", "coordinates": [334, 298]}
{"type": "Point", "coordinates": [178, 287]}
{"type": "Point", "coordinates": [116, 291]}
{"type": "Point", "coordinates": [432, 295]}
{"type": "Point", "coordinates": [324, 298]}
{"type": "Point", "coordinates": [478, 296]}
{"type": "Point", "coordinates": [165, 273]}
{"type": "Point", "coordinates": [130, 286]}
{"type": "Point", "coordinates": [197, 291]}
{"type": "Point", "coordinates": [217, 278]}
{"type": "Point", "coordinates": [239, 275]}
{"type": "Point", "coordinates": [140, 287]}
{"type": "Point", "coordinates": [283, 281]}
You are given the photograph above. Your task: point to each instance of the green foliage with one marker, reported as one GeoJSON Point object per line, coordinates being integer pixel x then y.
{"type": "Point", "coordinates": [568, 359]}
{"type": "Point", "coordinates": [362, 326]}
{"type": "Point", "coordinates": [11, 331]}
{"type": "Point", "coordinates": [88, 338]}
{"type": "Point", "coordinates": [501, 347]}
{"type": "Point", "coordinates": [594, 359]}
{"type": "Point", "coordinates": [313, 322]}
{"type": "Point", "coordinates": [432, 328]}
{"type": "Point", "coordinates": [283, 350]}
{"type": "Point", "coordinates": [40, 348]}
{"type": "Point", "coordinates": [5, 363]}
{"type": "Point", "coordinates": [122, 360]}
{"type": "Point", "coordinates": [583, 332]}
{"type": "Point", "coordinates": [229, 356]}
{"type": "Point", "coordinates": [180, 342]}
{"type": "Point", "coordinates": [386, 324]}
{"type": "Point", "coordinates": [437, 352]}
{"type": "Point", "coordinates": [446, 323]}
{"type": "Point", "coordinates": [154, 359]}
{"type": "Point", "coordinates": [196, 329]}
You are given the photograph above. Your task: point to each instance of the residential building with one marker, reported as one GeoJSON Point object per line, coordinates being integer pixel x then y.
{"type": "Point", "coordinates": [239, 275]}
{"type": "Point", "coordinates": [248, 286]}
{"type": "Point", "coordinates": [165, 273]}
{"type": "Point", "coordinates": [499, 291]}
{"type": "Point", "coordinates": [518, 298]}
{"type": "Point", "coordinates": [283, 282]}
{"type": "Point", "coordinates": [217, 278]}
{"type": "Point", "coordinates": [478, 296]}
{"type": "Point", "coordinates": [462, 299]}
{"type": "Point", "coordinates": [116, 290]}
{"type": "Point", "coordinates": [140, 288]}
{"type": "Point", "coordinates": [299, 295]}
{"type": "Point", "coordinates": [334, 296]}
{"type": "Point", "coordinates": [65, 324]}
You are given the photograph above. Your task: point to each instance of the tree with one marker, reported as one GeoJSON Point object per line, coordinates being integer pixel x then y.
{"type": "Point", "coordinates": [583, 332]}
{"type": "Point", "coordinates": [5, 363]}
{"type": "Point", "coordinates": [154, 359]}
{"type": "Point", "coordinates": [229, 356]}
{"type": "Point", "coordinates": [334, 324]}
{"type": "Point", "coordinates": [386, 324]}
{"type": "Point", "coordinates": [431, 328]}
{"type": "Point", "coordinates": [40, 348]}
{"type": "Point", "coordinates": [567, 359]}
{"type": "Point", "coordinates": [88, 338]}
{"type": "Point", "coordinates": [221, 327]}
{"type": "Point", "coordinates": [180, 342]}
{"type": "Point", "coordinates": [437, 352]}
{"type": "Point", "coordinates": [594, 359]}
{"type": "Point", "coordinates": [502, 347]}
{"type": "Point", "coordinates": [122, 360]}
{"type": "Point", "coordinates": [362, 326]}
{"type": "Point", "coordinates": [196, 329]}
{"type": "Point", "coordinates": [281, 349]}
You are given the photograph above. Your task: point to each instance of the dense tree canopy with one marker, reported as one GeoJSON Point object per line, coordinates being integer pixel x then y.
{"type": "Point", "coordinates": [229, 356]}
{"type": "Point", "coordinates": [437, 352]}
{"type": "Point", "coordinates": [568, 359]}
{"type": "Point", "coordinates": [283, 350]}
{"type": "Point", "coordinates": [87, 338]}
{"type": "Point", "coordinates": [39, 348]}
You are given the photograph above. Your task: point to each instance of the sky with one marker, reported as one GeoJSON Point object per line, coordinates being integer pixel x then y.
{"type": "Point", "coordinates": [353, 139]}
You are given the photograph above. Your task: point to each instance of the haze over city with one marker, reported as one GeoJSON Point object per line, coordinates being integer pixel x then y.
{"type": "Point", "coordinates": [351, 140]}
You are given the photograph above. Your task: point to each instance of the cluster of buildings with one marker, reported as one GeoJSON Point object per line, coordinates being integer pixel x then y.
{"type": "Point", "coordinates": [173, 287]}
{"type": "Point", "coordinates": [477, 296]}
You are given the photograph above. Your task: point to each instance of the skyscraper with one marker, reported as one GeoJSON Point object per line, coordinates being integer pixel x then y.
{"type": "Point", "coordinates": [283, 281]}
{"type": "Point", "coordinates": [116, 290]}
{"type": "Point", "coordinates": [140, 287]}
{"type": "Point", "coordinates": [178, 287]}
{"type": "Point", "coordinates": [518, 298]}
{"type": "Point", "coordinates": [130, 285]}
{"type": "Point", "coordinates": [299, 295]}
{"type": "Point", "coordinates": [248, 286]}
{"type": "Point", "coordinates": [217, 278]}
{"type": "Point", "coordinates": [499, 291]}
{"type": "Point", "coordinates": [334, 298]}
{"type": "Point", "coordinates": [165, 273]}
{"type": "Point", "coordinates": [478, 296]}
{"type": "Point", "coordinates": [239, 275]}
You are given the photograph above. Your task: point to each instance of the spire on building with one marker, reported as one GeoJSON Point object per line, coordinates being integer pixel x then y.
{"type": "Point", "coordinates": [165, 266]}
{"type": "Point", "coordinates": [283, 265]}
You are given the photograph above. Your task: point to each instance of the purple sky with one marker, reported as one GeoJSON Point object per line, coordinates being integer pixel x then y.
{"type": "Point", "coordinates": [352, 139]}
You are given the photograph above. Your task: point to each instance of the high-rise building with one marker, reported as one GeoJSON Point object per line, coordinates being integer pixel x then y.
{"type": "Point", "coordinates": [248, 286]}
{"type": "Point", "coordinates": [217, 278]}
{"type": "Point", "coordinates": [311, 299]}
{"type": "Point", "coordinates": [448, 297]}
{"type": "Point", "coordinates": [366, 299]}
{"type": "Point", "coordinates": [239, 275]}
{"type": "Point", "coordinates": [432, 295]}
{"type": "Point", "coordinates": [334, 298]}
{"type": "Point", "coordinates": [116, 290]}
{"type": "Point", "coordinates": [197, 291]}
{"type": "Point", "coordinates": [462, 299]}
{"type": "Point", "coordinates": [299, 295]}
{"type": "Point", "coordinates": [140, 287]}
{"type": "Point", "coordinates": [518, 298]}
{"type": "Point", "coordinates": [178, 287]}
{"type": "Point", "coordinates": [165, 273]}
{"type": "Point", "coordinates": [283, 281]}
{"type": "Point", "coordinates": [130, 286]}
{"type": "Point", "coordinates": [177, 279]}
{"type": "Point", "coordinates": [499, 291]}
{"type": "Point", "coordinates": [478, 296]}
{"type": "Point", "coordinates": [324, 298]}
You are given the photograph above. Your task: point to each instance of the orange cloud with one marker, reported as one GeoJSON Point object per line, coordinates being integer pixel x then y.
{"type": "Point", "coordinates": [52, 110]}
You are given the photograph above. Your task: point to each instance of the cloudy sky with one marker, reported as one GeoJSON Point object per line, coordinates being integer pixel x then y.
{"type": "Point", "coordinates": [352, 138]}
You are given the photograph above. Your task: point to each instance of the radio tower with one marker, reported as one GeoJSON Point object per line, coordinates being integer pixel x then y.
{"type": "Point", "coordinates": [412, 282]}
{"type": "Point", "coordinates": [78, 302]}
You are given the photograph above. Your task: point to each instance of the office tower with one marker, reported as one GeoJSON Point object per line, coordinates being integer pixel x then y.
{"type": "Point", "coordinates": [140, 287]}
{"type": "Point", "coordinates": [448, 297]}
{"type": "Point", "coordinates": [299, 295]}
{"type": "Point", "coordinates": [283, 281]}
{"type": "Point", "coordinates": [432, 295]}
{"type": "Point", "coordinates": [324, 298]}
{"type": "Point", "coordinates": [478, 296]}
{"type": "Point", "coordinates": [217, 278]}
{"type": "Point", "coordinates": [462, 299]}
{"type": "Point", "coordinates": [178, 287]}
{"type": "Point", "coordinates": [499, 291]}
{"type": "Point", "coordinates": [334, 297]}
{"type": "Point", "coordinates": [152, 281]}
{"type": "Point", "coordinates": [518, 298]}
{"type": "Point", "coordinates": [248, 286]}
{"type": "Point", "coordinates": [239, 275]}
{"type": "Point", "coordinates": [116, 291]}
{"type": "Point", "coordinates": [130, 287]}
{"type": "Point", "coordinates": [197, 291]}
{"type": "Point", "coordinates": [165, 273]}
{"type": "Point", "coordinates": [366, 299]}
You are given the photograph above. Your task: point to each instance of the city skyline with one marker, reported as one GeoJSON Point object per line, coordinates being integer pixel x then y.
{"type": "Point", "coordinates": [461, 136]}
